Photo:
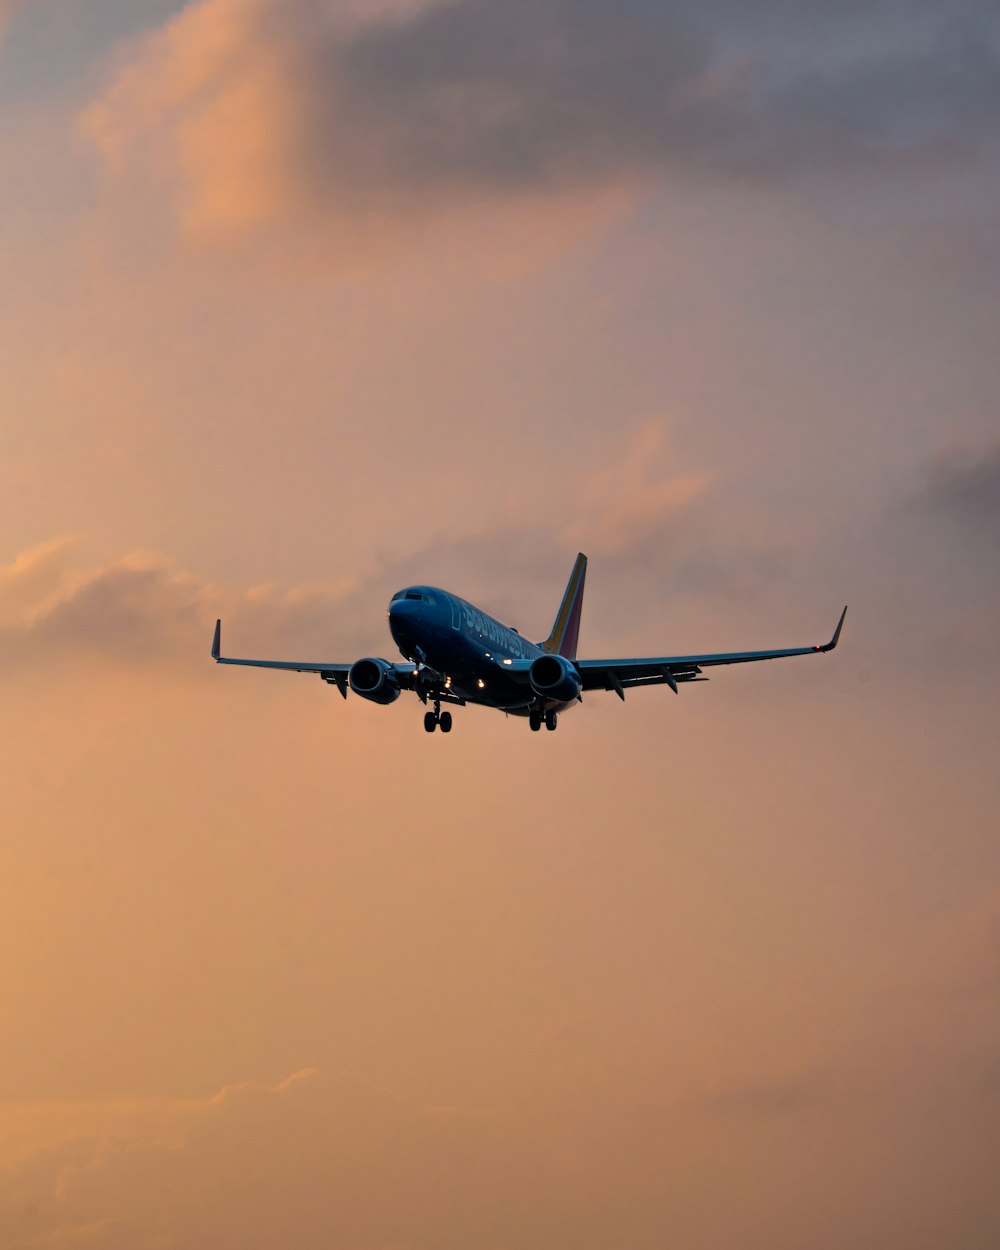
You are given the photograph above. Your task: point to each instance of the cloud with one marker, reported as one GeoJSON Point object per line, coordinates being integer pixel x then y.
{"type": "Point", "coordinates": [948, 528]}
{"type": "Point", "coordinates": [327, 1160]}
{"type": "Point", "coordinates": [253, 112]}
{"type": "Point", "coordinates": [36, 581]}
{"type": "Point", "coordinates": [766, 1099]}
{"type": "Point", "coordinates": [965, 487]}
{"type": "Point", "coordinates": [311, 1161]}
{"type": "Point", "coordinates": [962, 956]}
{"type": "Point", "coordinates": [140, 608]}
{"type": "Point", "coordinates": [627, 503]}
{"type": "Point", "coordinates": [7, 10]}
{"type": "Point", "coordinates": [51, 608]}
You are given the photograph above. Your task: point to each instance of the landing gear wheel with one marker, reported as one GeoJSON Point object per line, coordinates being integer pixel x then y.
{"type": "Point", "coordinates": [551, 720]}
{"type": "Point", "coordinates": [445, 722]}
{"type": "Point", "coordinates": [430, 722]}
{"type": "Point", "coordinates": [535, 721]}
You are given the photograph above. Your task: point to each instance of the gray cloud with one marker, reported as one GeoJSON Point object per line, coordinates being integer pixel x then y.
{"type": "Point", "coordinates": [766, 1099]}
{"type": "Point", "coordinates": [55, 42]}
{"type": "Point", "coordinates": [139, 610]}
{"type": "Point", "coordinates": [519, 92]}
{"type": "Point", "coordinates": [966, 488]}
{"type": "Point", "coordinates": [536, 91]}
{"type": "Point", "coordinates": [7, 10]}
{"type": "Point", "coordinates": [473, 97]}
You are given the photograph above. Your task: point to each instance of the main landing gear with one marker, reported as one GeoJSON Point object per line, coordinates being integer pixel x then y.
{"type": "Point", "coordinates": [433, 719]}
{"type": "Point", "coordinates": [535, 719]}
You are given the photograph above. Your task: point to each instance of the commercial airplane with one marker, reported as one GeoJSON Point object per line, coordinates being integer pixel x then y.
{"type": "Point", "coordinates": [456, 654]}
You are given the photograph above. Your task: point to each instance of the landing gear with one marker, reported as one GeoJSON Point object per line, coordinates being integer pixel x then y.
{"type": "Point", "coordinates": [551, 720]}
{"type": "Point", "coordinates": [433, 719]}
{"type": "Point", "coordinates": [534, 721]}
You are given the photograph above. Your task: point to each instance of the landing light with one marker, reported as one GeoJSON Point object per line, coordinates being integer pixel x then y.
{"type": "Point", "coordinates": [481, 684]}
{"type": "Point", "coordinates": [508, 661]}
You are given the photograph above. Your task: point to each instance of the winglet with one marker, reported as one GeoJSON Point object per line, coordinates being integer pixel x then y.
{"type": "Point", "coordinates": [217, 641]}
{"type": "Point", "coordinates": [836, 634]}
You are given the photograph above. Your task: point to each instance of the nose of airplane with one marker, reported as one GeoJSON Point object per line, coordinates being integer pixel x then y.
{"type": "Point", "coordinates": [402, 613]}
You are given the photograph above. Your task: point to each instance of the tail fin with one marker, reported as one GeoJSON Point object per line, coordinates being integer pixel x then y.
{"type": "Point", "coordinates": [566, 631]}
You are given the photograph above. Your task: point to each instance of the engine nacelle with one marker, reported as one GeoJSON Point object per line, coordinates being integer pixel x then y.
{"type": "Point", "coordinates": [374, 679]}
{"type": "Point", "coordinates": [554, 677]}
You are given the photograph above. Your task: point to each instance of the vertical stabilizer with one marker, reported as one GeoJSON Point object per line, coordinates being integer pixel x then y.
{"type": "Point", "coordinates": [566, 631]}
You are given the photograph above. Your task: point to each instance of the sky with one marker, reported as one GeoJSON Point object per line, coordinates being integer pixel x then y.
{"type": "Point", "coordinates": [302, 302]}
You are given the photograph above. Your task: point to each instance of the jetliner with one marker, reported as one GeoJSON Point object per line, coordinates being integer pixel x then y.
{"type": "Point", "coordinates": [456, 654]}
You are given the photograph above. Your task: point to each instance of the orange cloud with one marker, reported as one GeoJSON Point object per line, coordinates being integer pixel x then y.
{"type": "Point", "coordinates": [241, 114]}
{"type": "Point", "coordinates": [7, 10]}
{"type": "Point", "coordinates": [251, 112]}
{"type": "Point", "coordinates": [36, 581]}
{"type": "Point", "coordinates": [56, 1159]}
{"type": "Point", "coordinates": [309, 1161]}
{"type": "Point", "coordinates": [141, 607]}
{"type": "Point", "coordinates": [207, 109]}
{"type": "Point", "coordinates": [633, 500]}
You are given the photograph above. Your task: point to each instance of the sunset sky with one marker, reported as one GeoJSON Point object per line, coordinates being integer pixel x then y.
{"type": "Point", "coordinates": [302, 301]}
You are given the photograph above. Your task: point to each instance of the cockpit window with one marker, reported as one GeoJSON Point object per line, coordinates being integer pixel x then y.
{"type": "Point", "coordinates": [410, 594]}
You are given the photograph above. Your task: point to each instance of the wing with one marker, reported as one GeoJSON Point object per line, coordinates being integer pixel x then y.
{"type": "Point", "coordinates": [670, 670]}
{"type": "Point", "coordinates": [335, 673]}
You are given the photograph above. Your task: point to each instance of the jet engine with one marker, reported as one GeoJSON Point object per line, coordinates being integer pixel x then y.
{"type": "Point", "coordinates": [374, 679]}
{"type": "Point", "coordinates": [555, 677]}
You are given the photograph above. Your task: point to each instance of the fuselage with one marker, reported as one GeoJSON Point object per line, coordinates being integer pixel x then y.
{"type": "Point", "coordinates": [468, 647]}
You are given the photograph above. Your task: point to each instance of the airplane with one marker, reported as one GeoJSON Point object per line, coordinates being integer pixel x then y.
{"type": "Point", "coordinates": [456, 654]}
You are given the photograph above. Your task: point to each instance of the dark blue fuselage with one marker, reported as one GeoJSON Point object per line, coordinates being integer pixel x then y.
{"type": "Point", "coordinates": [465, 646]}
